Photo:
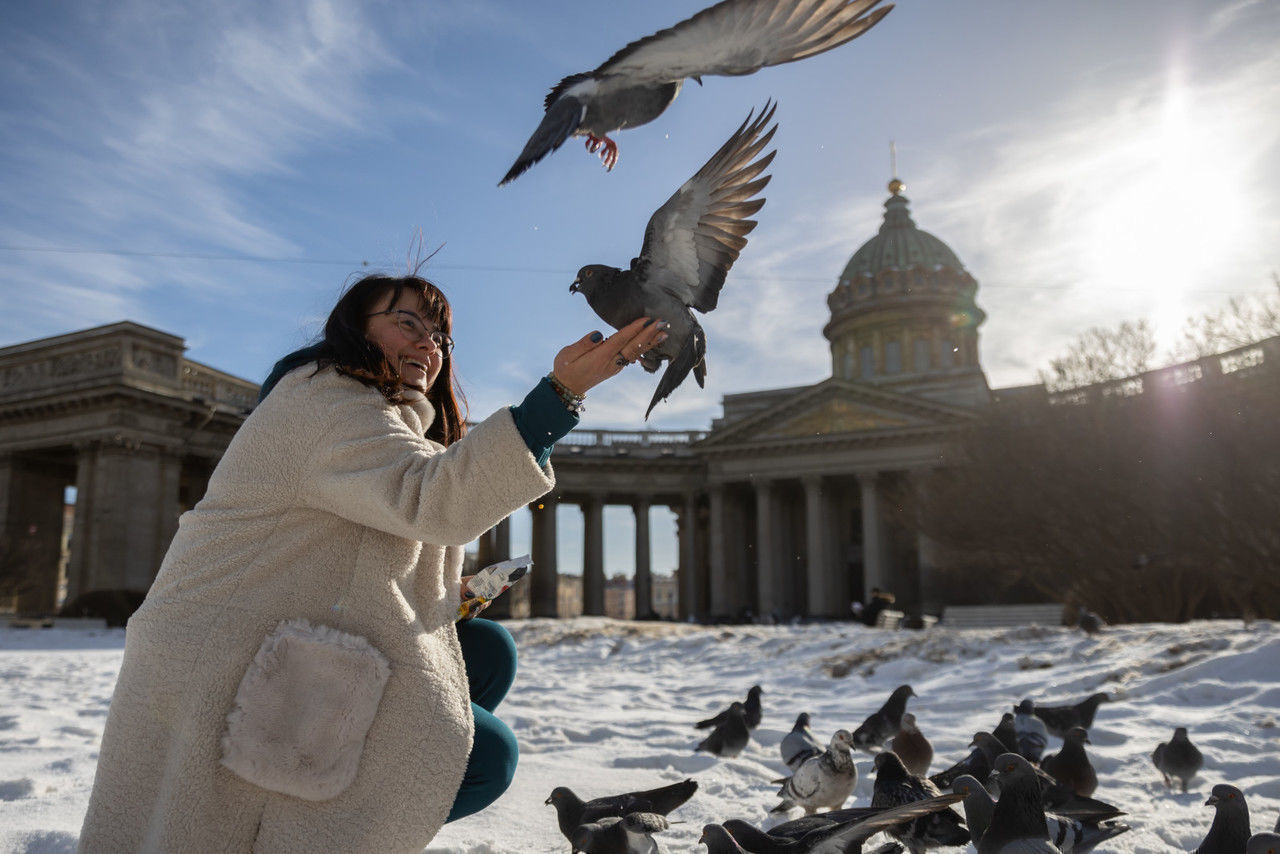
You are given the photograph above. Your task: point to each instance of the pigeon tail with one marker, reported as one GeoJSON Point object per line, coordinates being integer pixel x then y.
{"type": "Point", "coordinates": [692, 353]}
{"type": "Point", "coordinates": [562, 119]}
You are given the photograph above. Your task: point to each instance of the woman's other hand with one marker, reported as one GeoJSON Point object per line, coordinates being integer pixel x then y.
{"type": "Point", "coordinates": [594, 359]}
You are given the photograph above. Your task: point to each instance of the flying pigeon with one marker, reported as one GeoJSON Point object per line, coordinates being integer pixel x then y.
{"type": "Point", "coordinates": [1007, 735]}
{"type": "Point", "coordinates": [1072, 835]}
{"type": "Point", "coordinates": [751, 707]}
{"type": "Point", "coordinates": [882, 725]}
{"type": "Point", "coordinates": [729, 737]}
{"type": "Point", "coordinates": [978, 763]}
{"type": "Point", "coordinates": [1017, 823]}
{"type": "Point", "coordinates": [1031, 731]}
{"type": "Point", "coordinates": [895, 786]}
{"type": "Point", "coordinates": [1229, 832]}
{"type": "Point", "coordinates": [689, 246]}
{"type": "Point", "coordinates": [639, 82]}
{"type": "Point", "coordinates": [1059, 719]}
{"type": "Point", "coordinates": [1071, 766]}
{"type": "Point", "coordinates": [912, 747]}
{"type": "Point", "coordinates": [572, 811]}
{"type": "Point", "coordinates": [836, 837]}
{"type": "Point", "coordinates": [1264, 842]}
{"type": "Point", "coordinates": [823, 781]}
{"type": "Point", "coordinates": [1178, 759]}
{"type": "Point", "coordinates": [799, 744]}
{"type": "Point", "coordinates": [630, 834]}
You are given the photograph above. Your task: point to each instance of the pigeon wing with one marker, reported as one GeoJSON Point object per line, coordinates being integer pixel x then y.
{"type": "Point", "coordinates": [835, 839]}
{"type": "Point", "coordinates": [693, 239]}
{"type": "Point", "coordinates": [738, 37]}
{"type": "Point", "coordinates": [562, 118]}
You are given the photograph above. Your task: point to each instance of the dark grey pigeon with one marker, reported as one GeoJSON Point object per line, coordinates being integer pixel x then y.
{"type": "Point", "coordinates": [837, 837]}
{"type": "Point", "coordinates": [630, 834]}
{"type": "Point", "coordinates": [895, 786]}
{"type": "Point", "coordinates": [1071, 766]}
{"type": "Point", "coordinates": [729, 738]}
{"type": "Point", "coordinates": [639, 82]}
{"type": "Point", "coordinates": [1018, 821]}
{"type": "Point", "coordinates": [799, 744]}
{"type": "Point", "coordinates": [912, 747]}
{"type": "Point", "coordinates": [1229, 833]}
{"type": "Point", "coordinates": [1006, 734]}
{"type": "Point", "coordinates": [751, 707]}
{"type": "Point", "coordinates": [1031, 731]}
{"type": "Point", "coordinates": [1072, 835]}
{"type": "Point", "coordinates": [572, 811]}
{"type": "Point", "coordinates": [978, 763]}
{"type": "Point", "coordinates": [689, 246]}
{"type": "Point", "coordinates": [1264, 842]}
{"type": "Point", "coordinates": [1089, 622]}
{"type": "Point", "coordinates": [1060, 719]}
{"type": "Point", "coordinates": [1178, 759]}
{"type": "Point", "coordinates": [883, 724]}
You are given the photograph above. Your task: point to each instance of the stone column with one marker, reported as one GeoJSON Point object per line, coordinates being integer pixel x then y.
{"type": "Point", "coordinates": [643, 578]}
{"type": "Point", "coordinates": [873, 573]}
{"type": "Point", "coordinates": [494, 546]}
{"type": "Point", "coordinates": [766, 551]}
{"type": "Point", "coordinates": [817, 549]}
{"type": "Point", "coordinates": [686, 527]}
{"type": "Point", "coordinates": [593, 556]}
{"type": "Point", "coordinates": [721, 595]}
{"type": "Point", "coordinates": [545, 582]}
{"type": "Point", "coordinates": [926, 550]}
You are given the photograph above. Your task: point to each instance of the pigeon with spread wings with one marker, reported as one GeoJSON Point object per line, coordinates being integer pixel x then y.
{"type": "Point", "coordinates": [639, 82]}
{"type": "Point", "coordinates": [689, 246]}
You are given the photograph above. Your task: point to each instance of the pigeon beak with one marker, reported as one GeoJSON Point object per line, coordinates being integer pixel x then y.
{"type": "Point", "coordinates": [547, 802]}
{"type": "Point", "coordinates": [573, 289]}
{"type": "Point", "coordinates": [1212, 802]}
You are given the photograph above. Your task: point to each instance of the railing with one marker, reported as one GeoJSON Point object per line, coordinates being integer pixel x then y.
{"type": "Point", "coordinates": [633, 438]}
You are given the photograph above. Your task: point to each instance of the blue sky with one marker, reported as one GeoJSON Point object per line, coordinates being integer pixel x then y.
{"type": "Point", "coordinates": [220, 170]}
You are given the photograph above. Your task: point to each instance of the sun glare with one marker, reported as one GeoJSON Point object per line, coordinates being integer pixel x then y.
{"type": "Point", "coordinates": [1173, 214]}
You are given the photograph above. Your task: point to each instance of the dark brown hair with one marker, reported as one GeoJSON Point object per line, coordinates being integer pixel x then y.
{"type": "Point", "coordinates": [345, 348]}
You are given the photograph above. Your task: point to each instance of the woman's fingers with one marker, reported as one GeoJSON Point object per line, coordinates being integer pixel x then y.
{"type": "Point", "coordinates": [593, 359]}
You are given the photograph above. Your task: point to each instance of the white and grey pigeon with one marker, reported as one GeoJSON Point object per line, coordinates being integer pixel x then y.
{"type": "Point", "coordinates": [689, 246]}
{"type": "Point", "coordinates": [823, 781]}
{"type": "Point", "coordinates": [631, 834]}
{"type": "Point", "coordinates": [1031, 731]}
{"type": "Point", "coordinates": [799, 744]}
{"type": "Point", "coordinates": [636, 84]}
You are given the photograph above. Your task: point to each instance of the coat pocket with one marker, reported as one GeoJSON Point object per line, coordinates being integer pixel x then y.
{"type": "Point", "coordinates": [303, 709]}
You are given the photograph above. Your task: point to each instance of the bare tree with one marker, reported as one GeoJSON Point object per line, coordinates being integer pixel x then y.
{"type": "Point", "coordinates": [1103, 354]}
{"type": "Point", "coordinates": [1243, 321]}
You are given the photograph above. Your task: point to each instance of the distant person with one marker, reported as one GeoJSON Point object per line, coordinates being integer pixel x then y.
{"type": "Point", "coordinates": [295, 680]}
{"type": "Point", "coordinates": [880, 600]}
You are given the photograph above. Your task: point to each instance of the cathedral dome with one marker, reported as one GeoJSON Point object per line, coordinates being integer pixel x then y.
{"type": "Point", "coordinates": [900, 245]}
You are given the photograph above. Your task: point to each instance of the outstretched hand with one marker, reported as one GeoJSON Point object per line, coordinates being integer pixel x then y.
{"type": "Point", "coordinates": [587, 363]}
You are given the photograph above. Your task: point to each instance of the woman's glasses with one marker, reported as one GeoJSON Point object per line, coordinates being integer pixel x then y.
{"type": "Point", "coordinates": [413, 328]}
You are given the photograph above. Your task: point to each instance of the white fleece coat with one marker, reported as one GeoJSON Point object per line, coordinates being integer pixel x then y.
{"type": "Point", "coordinates": [328, 506]}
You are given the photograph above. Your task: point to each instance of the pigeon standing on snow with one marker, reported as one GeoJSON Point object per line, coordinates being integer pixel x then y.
{"type": "Point", "coordinates": [1089, 622]}
{"type": "Point", "coordinates": [1017, 822]}
{"type": "Point", "coordinates": [1031, 731]}
{"type": "Point", "coordinates": [689, 246]}
{"type": "Point", "coordinates": [895, 786]}
{"type": "Point", "coordinates": [1060, 719]}
{"type": "Point", "coordinates": [1229, 833]}
{"type": "Point", "coordinates": [1071, 766]}
{"type": "Point", "coordinates": [1006, 734]}
{"type": "Point", "coordinates": [912, 747]}
{"type": "Point", "coordinates": [978, 763]}
{"type": "Point", "coordinates": [1264, 842]}
{"type": "Point", "coordinates": [1178, 759]}
{"type": "Point", "coordinates": [729, 737]}
{"type": "Point", "coordinates": [630, 834]}
{"type": "Point", "coordinates": [572, 811]}
{"type": "Point", "coordinates": [799, 744]}
{"type": "Point", "coordinates": [639, 82]}
{"type": "Point", "coordinates": [751, 708]}
{"type": "Point", "coordinates": [882, 725]}
{"type": "Point", "coordinates": [823, 781]}
{"type": "Point", "coordinates": [1072, 835]}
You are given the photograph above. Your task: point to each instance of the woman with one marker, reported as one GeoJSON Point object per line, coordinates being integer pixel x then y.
{"type": "Point", "coordinates": [294, 680]}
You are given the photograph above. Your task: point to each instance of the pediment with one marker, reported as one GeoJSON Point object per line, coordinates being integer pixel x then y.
{"type": "Point", "coordinates": [837, 408]}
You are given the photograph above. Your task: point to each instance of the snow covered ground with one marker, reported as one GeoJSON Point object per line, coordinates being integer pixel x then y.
{"type": "Point", "coordinates": [605, 706]}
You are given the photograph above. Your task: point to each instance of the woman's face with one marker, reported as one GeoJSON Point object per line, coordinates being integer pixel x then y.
{"type": "Point", "coordinates": [394, 326]}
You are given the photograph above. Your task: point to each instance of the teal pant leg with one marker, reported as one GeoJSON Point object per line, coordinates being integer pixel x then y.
{"type": "Point", "coordinates": [490, 656]}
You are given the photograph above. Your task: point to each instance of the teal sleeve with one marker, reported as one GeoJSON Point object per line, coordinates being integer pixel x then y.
{"type": "Point", "coordinates": [543, 419]}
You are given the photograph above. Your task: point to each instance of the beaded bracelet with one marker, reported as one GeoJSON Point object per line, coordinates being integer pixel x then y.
{"type": "Point", "coordinates": [571, 401]}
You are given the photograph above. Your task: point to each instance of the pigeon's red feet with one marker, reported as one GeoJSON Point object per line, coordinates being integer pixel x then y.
{"type": "Point", "coordinates": [609, 155]}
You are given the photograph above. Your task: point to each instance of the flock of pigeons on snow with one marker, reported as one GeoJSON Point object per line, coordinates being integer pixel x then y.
{"type": "Point", "coordinates": [1015, 798]}
{"type": "Point", "coordinates": [695, 237]}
